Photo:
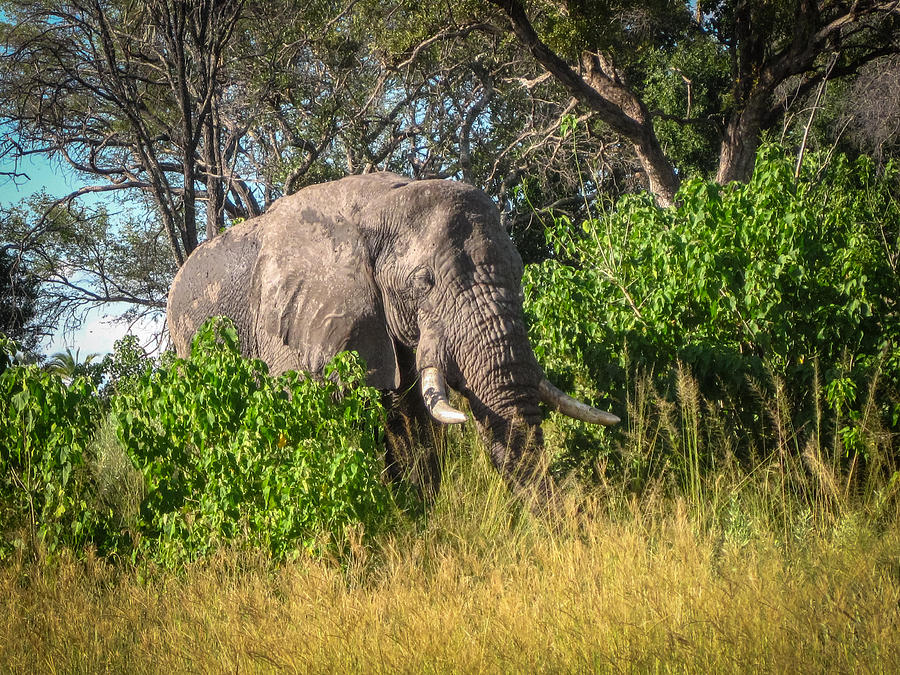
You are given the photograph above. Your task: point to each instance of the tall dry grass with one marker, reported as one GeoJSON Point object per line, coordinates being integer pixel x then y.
{"type": "Point", "coordinates": [483, 590]}
{"type": "Point", "coordinates": [788, 564]}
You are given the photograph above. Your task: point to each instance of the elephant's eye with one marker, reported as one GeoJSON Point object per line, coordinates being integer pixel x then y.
{"type": "Point", "coordinates": [421, 280]}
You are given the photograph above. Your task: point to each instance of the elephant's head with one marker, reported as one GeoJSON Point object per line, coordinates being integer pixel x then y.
{"type": "Point", "coordinates": [420, 278]}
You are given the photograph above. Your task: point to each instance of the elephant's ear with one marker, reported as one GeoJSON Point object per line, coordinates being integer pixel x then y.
{"type": "Point", "coordinates": [314, 295]}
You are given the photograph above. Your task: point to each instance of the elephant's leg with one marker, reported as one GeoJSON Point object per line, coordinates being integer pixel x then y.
{"type": "Point", "coordinates": [413, 439]}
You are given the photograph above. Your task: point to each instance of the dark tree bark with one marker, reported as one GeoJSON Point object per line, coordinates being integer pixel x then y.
{"type": "Point", "coordinates": [602, 90]}
{"type": "Point", "coordinates": [858, 32]}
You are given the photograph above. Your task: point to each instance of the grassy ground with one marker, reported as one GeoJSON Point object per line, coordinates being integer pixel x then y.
{"type": "Point", "coordinates": [788, 563]}
{"type": "Point", "coordinates": [630, 584]}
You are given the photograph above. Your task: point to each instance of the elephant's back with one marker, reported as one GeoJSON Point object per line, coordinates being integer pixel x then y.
{"type": "Point", "coordinates": [214, 281]}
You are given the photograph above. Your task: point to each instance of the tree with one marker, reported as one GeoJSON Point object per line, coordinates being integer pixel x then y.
{"type": "Point", "coordinates": [202, 113]}
{"type": "Point", "coordinates": [460, 101]}
{"type": "Point", "coordinates": [871, 110]}
{"type": "Point", "coordinates": [600, 85]}
{"type": "Point", "coordinates": [136, 98]}
{"type": "Point", "coordinates": [206, 110]}
{"type": "Point", "coordinates": [69, 366]}
{"type": "Point", "coordinates": [18, 294]}
{"type": "Point", "coordinates": [127, 92]}
{"type": "Point", "coordinates": [78, 259]}
{"type": "Point", "coordinates": [290, 98]}
{"type": "Point", "coordinates": [800, 42]}
{"type": "Point", "coordinates": [768, 45]}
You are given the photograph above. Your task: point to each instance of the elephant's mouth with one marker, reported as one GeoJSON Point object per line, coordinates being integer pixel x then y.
{"type": "Point", "coordinates": [434, 393]}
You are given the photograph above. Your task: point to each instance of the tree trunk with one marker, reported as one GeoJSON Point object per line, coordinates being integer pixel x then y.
{"type": "Point", "coordinates": [663, 181]}
{"type": "Point", "coordinates": [737, 156]}
{"type": "Point", "coordinates": [601, 88]}
{"type": "Point", "coordinates": [215, 192]}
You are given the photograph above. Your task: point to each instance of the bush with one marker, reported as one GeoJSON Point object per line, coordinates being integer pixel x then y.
{"type": "Point", "coordinates": [228, 455]}
{"type": "Point", "coordinates": [45, 492]}
{"type": "Point", "coordinates": [778, 277]}
{"type": "Point", "coordinates": [232, 456]}
{"type": "Point", "coordinates": [123, 367]}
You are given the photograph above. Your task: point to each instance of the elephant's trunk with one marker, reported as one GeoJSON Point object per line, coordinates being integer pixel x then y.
{"type": "Point", "coordinates": [500, 377]}
{"type": "Point", "coordinates": [510, 423]}
{"type": "Point", "coordinates": [486, 356]}
{"type": "Point", "coordinates": [515, 444]}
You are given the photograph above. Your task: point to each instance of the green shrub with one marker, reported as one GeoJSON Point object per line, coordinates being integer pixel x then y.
{"type": "Point", "coordinates": [777, 277]}
{"type": "Point", "coordinates": [8, 350]}
{"type": "Point", "coordinates": [123, 367]}
{"type": "Point", "coordinates": [45, 426]}
{"type": "Point", "coordinates": [232, 456]}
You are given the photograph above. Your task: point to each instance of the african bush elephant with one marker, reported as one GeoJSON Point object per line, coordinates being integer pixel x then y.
{"type": "Point", "coordinates": [416, 276]}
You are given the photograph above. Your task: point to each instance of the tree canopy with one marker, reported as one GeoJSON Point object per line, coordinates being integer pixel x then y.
{"type": "Point", "coordinates": [190, 115]}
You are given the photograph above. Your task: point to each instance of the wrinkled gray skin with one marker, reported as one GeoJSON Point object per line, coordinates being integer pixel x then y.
{"type": "Point", "coordinates": [410, 274]}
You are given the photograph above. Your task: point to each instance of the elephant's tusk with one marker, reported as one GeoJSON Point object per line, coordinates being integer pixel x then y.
{"type": "Point", "coordinates": [573, 407]}
{"type": "Point", "coordinates": [434, 391]}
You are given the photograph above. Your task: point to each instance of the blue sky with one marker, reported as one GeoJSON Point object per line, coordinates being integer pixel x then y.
{"type": "Point", "coordinates": [98, 333]}
{"type": "Point", "coordinates": [41, 174]}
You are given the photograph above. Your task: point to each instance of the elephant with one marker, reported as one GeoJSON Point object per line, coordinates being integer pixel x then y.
{"type": "Point", "coordinates": [420, 279]}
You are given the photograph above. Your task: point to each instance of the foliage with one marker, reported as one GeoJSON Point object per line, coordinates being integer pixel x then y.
{"type": "Point", "coordinates": [83, 257]}
{"type": "Point", "coordinates": [18, 288]}
{"type": "Point", "coordinates": [124, 366]}
{"type": "Point", "coordinates": [686, 86]}
{"type": "Point", "coordinates": [45, 427]}
{"type": "Point", "coordinates": [69, 365]}
{"type": "Point", "coordinates": [228, 455]}
{"type": "Point", "coordinates": [232, 456]}
{"type": "Point", "coordinates": [776, 277]}
{"type": "Point", "coordinates": [8, 349]}
{"type": "Point", "coordinates": [871, 110]}
{"type": "Point", "coordinates": [754, 321]}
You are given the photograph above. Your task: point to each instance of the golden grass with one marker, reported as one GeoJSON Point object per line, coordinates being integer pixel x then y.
{"type": "Point", "coordinates": [482, 589]}
{"type": "Point", "coordinates": [790, 565]}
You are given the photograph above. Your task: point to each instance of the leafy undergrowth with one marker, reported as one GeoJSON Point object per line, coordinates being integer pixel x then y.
{"type": "Point", "coordinates": [189, 456]}
{"type": "Point", "coordinates": [779, 287]}
{"type": "Point", "coordinates": [636, 584]}
{"type": "Point", "coordinates": [232, 456]}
